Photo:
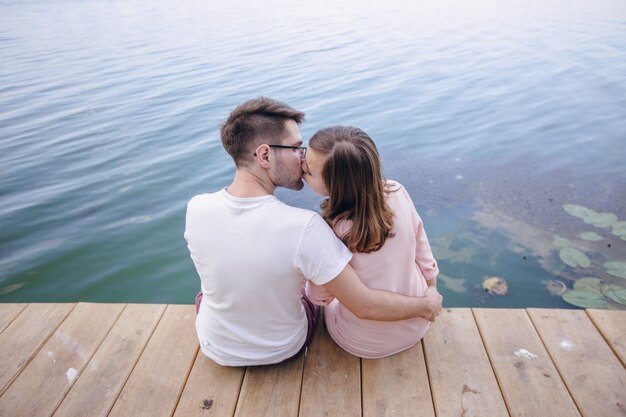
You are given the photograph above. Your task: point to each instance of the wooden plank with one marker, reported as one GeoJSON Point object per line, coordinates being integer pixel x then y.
{"type": "Point", "coordinates": [522, 365]}
{"type": "Point", "coordinates": [397, 385]}
{"type": "Point", "coordinates": [211, 390]}
{"type": "Point", "coordinates": [612, 325]}
{"type": "Point", "coordinates": [272, 390]}
{"type": "Point", "coordinates": [594, 376]}
{"type": "Point", "coordinates": [21, 339]}
{"type": "Point", "coordinates": [332, 379]}
{"type": "Point", "coordinates": [100, 383]}
{"type": "Point", "coordinates": [8, 313]}
{"type": "Point", "coordinates": [461, 377]}
{"type": "Point", "coordinates": [155, 385]}
{"type": "Point", "coordinates": [40, 388]}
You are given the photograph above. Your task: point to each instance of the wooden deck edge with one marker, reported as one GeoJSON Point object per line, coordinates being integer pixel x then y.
{"type": "Point", "coordinates": [41, 345]}
{"type": "Point", "coordinates": [606, 339]}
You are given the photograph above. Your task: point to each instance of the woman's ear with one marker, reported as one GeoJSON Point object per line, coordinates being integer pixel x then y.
{"type": "Point", "coordinates": [262, 155]}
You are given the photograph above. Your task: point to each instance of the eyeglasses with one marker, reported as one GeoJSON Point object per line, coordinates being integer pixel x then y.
{"type": "Point", "coordinates": [301, 149]}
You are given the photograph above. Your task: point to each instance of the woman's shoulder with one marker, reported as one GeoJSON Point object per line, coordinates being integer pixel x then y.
{"type": "Point", "coordinates": [397, 193]}
{"type": "Point", "coordinates": [342, 227]}
{"type": "Point", "coordinates": [393, 185]}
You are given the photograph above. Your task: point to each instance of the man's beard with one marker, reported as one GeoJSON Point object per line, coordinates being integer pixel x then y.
{"type": "Point", "coordinates": [287, 179]}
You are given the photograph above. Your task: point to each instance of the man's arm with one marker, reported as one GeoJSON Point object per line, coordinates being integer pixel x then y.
{"type": "Point", "coordinates": [369, 304]}
{"type": "Point", "coordinates": [318, 295]}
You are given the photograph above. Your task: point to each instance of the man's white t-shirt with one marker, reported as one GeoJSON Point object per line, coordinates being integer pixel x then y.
{"type": "Point", "coordinates": [252, 255]}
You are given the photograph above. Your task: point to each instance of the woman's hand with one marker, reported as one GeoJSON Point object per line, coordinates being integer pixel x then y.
{"type": "Point", "coordinates": [433, 304]}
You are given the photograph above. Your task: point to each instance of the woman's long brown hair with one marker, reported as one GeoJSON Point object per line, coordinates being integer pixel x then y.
{"type": "Point", "coordinates": [353, 177]}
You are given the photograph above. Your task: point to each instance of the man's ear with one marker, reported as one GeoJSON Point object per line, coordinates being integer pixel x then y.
{"type": "Point", "coordinates": [262, 155]}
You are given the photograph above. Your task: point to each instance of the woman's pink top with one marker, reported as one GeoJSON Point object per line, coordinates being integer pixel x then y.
{"type": "Point", "coordinates": [402, 265]}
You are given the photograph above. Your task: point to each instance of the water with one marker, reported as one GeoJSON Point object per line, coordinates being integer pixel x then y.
{"type": "Point", "coordinates": [493, 114]}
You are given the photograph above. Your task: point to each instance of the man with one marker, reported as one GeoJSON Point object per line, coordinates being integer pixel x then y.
{"type": "Point", "coordinates": [253, 252]}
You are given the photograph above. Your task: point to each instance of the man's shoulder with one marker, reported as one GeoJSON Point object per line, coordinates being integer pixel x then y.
{"type": "Point", "coordinates": [269, 204]}
{"type": "Point", "coordinates": [201, 199]}
{"type": "Point", "coordinates": [294, 217]}
{"type": "Point", "coordinates": [295, 211]}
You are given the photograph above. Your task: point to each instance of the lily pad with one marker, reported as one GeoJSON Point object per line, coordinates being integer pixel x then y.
{"type": "Point", "coordinates": [603, 220]}
{"type": "Point", "coordinates": [615, 293]}
{"type": "Point", "coordinates": [579, 211]}
{"type": "Point", "coordinates": [615, 268]}
{"type": "Point", "coordinates": [590, 216]}
{"type": "Point", "coordinates": [586, 299]}
{"type": "Point", "coordinates": [590, 236]}
{"type": "Point", "coordinates": [495, 285]}
{"type": "Point", "coordinates": [561, 242]}
{"type": "Point", "coordinates": [573, 257]}
{"type": "Point", "coordinates": [589, 284]}
{"type": "Point", "coordinates": [619, 229]}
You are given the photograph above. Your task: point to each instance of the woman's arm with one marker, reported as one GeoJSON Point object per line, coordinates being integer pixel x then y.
{"type": "Point", "coordinates": [424, 258]}
{"type": "Point", "coordinates": [424, 255]}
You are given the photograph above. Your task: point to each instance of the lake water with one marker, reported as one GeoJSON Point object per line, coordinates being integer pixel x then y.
{"type": "Point", "coordinates": [493, 114]}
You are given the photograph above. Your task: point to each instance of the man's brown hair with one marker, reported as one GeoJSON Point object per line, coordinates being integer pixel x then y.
{"type": "Point", "coordinates": [260, 120]}
{"type": "Point", "coordinates": [353, 177]}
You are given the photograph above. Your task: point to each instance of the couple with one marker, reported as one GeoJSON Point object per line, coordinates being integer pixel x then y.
{"type": "Point", "coordinates": [366, 258]}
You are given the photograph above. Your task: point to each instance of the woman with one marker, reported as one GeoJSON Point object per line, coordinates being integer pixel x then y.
{"type": "Point", "coordinates": [377, 221]}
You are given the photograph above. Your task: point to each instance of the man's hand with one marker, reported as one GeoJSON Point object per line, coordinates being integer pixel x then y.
{"type": "Point", "coordinates": [432, 303]}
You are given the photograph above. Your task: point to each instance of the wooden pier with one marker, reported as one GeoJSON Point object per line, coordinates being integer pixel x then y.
{"type": "Point", "coordinates": [143, 360]}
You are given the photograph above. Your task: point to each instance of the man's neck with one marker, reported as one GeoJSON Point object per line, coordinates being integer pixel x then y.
{"type": "Point", "coordinates": [246, 185]}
